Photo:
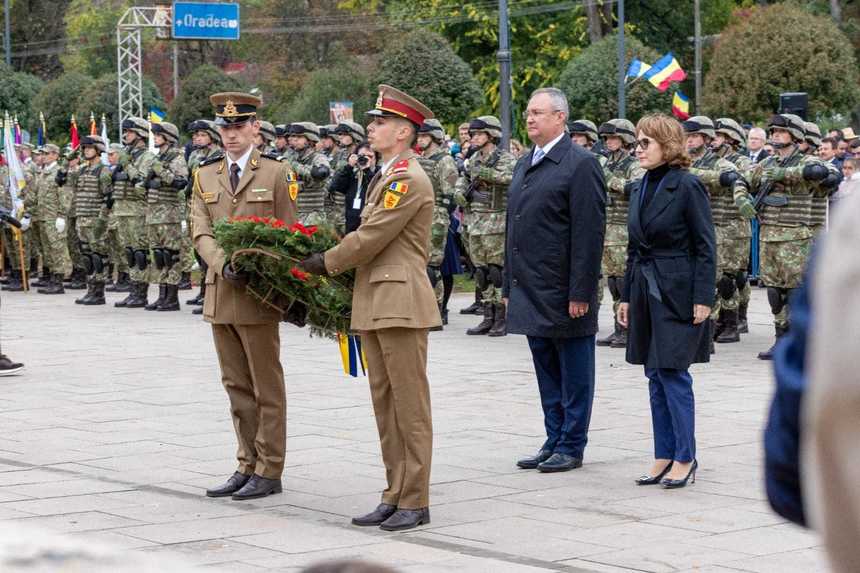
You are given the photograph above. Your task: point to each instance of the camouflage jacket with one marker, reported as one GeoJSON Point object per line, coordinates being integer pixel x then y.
{"type": "Point", "coordinates": [91, 183]}
{"type": "Point", "coordinates": [165, 195]}
{"type": "Point", "coordinates": [620, 169]}
{"type": "Point", "coordinates": [313, 192]}
{"type": "Point", "coordinates": [708, 169]}
{"type": "Point", "coordinates": [442, 171]}
{"type": "Point", "coordinates": [129, 192]}
{"type": "Point", "coordinates": [483, 188]}
{"type": "Point", "coordinates": [44, 201]}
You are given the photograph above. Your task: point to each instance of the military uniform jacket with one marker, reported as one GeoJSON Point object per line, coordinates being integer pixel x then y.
{"type": "Point", "coordinates": [43, 202]}
{"type": "Point", "coordinates": [390, 250]}
{"type": "Point", "coordinates": [264, 191]}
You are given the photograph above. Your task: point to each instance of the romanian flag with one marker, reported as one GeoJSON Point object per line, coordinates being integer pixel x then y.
{"type": "Point", "coordinates": [637, 69]}
{"type": "Point", "coordinates": [352, 355]}
{"type": "Point", "coordinates": [681, 106]}
{"type": "Point", "coordinates": [74, 138]}
{"type": "Point", "coordinates": [665, 71]}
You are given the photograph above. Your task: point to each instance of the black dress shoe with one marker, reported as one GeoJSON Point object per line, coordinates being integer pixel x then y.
{"type": "Point", "coordinates": [258, 486]}
{"type": "Point", "coordinates": [653, 480]}
{"type": "Point", "coordinates": [382, 512]}
{"type": "Point", "coordinates": [532, 463]}
{"type": "Point", "coordinates": [231, 486]}
{"type": "Point", "coordinates": [406, 519]}
{"type": "Point", "coordinates": [559, 463]}
{"type": "Point", "coordinates": [677, 483]}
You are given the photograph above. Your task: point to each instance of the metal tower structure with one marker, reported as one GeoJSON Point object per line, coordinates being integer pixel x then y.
{"type": "Point", "coordinates": [129, 57]}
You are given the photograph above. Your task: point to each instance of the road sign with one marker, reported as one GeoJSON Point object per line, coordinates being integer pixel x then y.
{"type": "Point", "coordinates": [205, 21]}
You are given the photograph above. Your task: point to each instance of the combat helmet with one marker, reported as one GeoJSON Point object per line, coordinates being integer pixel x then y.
{"type": "Point", "coordinates": [583, 127]}
{"type": "Point", "coordinates": [488, 124]}
{"type": "Point", "coordinates": [305, 128]}
{"type": "Point", "coordinates": [354, 130]}
{"type": "Point", "coordinates": [434, 129]}
{"type": "Point", "coordinates": [622, 128]}
{"type": "Point", "coordinates": [789, 122]}
{"type": "Point", "coordinates": [732, 129]}
{"type": "Point", "coordinates": [138, 125]}
{"type": "Point", "coordinates": [267, 130]}
{"type": "Point", "coordinates": [812, 134]}
{"type": "Point", "coordinates": [168, 130]}
{"type": "Point", "coordinates": [94, 141]}
{"type": "Point", "coordinates": [207, 126]}
{"type": "Point", "coordinates": [699, 124]}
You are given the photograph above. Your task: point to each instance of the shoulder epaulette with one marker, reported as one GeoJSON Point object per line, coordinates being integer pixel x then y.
{"type": "Point", "coordinates": [400, 166]}
{"type": "Point", "coordinates": [214, 158]}
{"type": "Point", "coordinates": [271, 155]}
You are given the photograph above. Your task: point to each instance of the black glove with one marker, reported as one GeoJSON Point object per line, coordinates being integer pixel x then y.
{"type": "Point", "coordinates": [60, 178]}
{"type": "Point", "coordinates": [297, 314]}
{"type": "Point", "coordinates": [728, 178]}
{"type": "Point", "coordinates": [631, 186]}
{"type": "Point", "coordinates": [314, 264]}
{"type": "Point", "coordinates": [236, 278]}
{"type": "Point", "coordinates": [153, 183]}
{"type": "Point", "coordinates": [119, 175]}
{"type": "Point", "coordinates": [109, 201]}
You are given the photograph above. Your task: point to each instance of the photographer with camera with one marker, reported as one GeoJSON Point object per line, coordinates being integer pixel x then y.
{"type": "Point", "coordinates": [352, 181]}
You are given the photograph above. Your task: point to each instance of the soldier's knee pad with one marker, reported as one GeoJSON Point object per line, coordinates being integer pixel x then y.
{"type": "Point", "coordinates": [741, 279]}
{"type": "Point", "coordinates": [99, 262]}
{"type": "Point", "coordinates": [481, 278]}
{"type": "Point", "coordinates": [129, 256]}
{"type": "Point", "coordinates": [433, 274]}
{"type": "Point", "coordinates": [495, 275]}
{"type": "Point", "coordinates": [141, 259]}
{"type": "Point", "coordinates": [87, 263]}
{"type": "Point", "coordinates": [726, 286]}
{"type": "Point", "coordinates": [171, 257]}
{"type": "Point", "coordinates": [614, 284]}
{"type": "Point", "coordinates": [158, 257]}
{"type": "Point", "coordinates": [776, 299]}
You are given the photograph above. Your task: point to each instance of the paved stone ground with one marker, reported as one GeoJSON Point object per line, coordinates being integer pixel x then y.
{"type": "Point", "coordinates": [120, 422]}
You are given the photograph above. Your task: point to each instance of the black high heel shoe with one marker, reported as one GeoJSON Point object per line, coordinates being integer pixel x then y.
{"type": "Point", "coordinates": [653, 480]}
{"type": "Point", "coordinates": [676, 483]}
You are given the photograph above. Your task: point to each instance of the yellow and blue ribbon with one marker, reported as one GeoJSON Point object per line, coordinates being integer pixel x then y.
{"type": "Point", "coordinates": [352, 355]}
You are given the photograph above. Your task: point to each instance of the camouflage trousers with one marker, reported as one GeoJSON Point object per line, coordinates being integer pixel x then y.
{"type": "Point", "coordinates": [488, 250]}
{"type": "Point", "coordinates": [92, 233]}
{"type": "Point", "coordinates": [116, 249]}
{"type": "Point", "coordinates": [55, 248]}
{"type": "Point", "coordinates": [12, 250]}
{"type": "Point", "coordinates": [313, 218]}
{"type": "Point", "coordinates": [164, 236]}
{"type": "Point", "coordinates": [727, 264]}
{"type": "Point", "coordinates": [438, 240]}
{"type": "Point", "coordinates": [131, 232]}
{"type": "Point", "coordinates": [614, 261]}
{"type": "Point", "coordinates": [781, 263]}
{"type": "Point", "coordinates": [335, 214]}
{"type": "Point", "coordinates": [73, 242]}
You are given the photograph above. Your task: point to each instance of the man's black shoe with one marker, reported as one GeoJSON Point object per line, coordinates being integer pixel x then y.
{"type": "Point", "coordinates": [532, 463]}
{"type": "Point", "coordinates": [7, 367]}
{"type": "Point", "coordinates": [560, 463]}
{"type": "Point", "coordinates": [382, 512]}
{"type": "Point", "coordinates": [231, 486]}
{"type": "Point", "coordinates": [406, 519]}
{"type": "Point", "coordinates": [258, 486]}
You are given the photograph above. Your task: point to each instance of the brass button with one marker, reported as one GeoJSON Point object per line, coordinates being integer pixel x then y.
{"type": "Point", "coordinates": [235, 201]}
{"type": "Point", "coordinates": [386, 276]}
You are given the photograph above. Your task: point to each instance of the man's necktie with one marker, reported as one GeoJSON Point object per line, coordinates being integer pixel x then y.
{"type": "Point", "coordinates": [538, 155]}
{"type": "Point", "coordinates": [234, 176]}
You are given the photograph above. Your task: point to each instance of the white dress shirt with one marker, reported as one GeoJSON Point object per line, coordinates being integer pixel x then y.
{"type": "Point", "coordinates": [242, 162]}
{"type": "Point", "coordinates": [548, 147]}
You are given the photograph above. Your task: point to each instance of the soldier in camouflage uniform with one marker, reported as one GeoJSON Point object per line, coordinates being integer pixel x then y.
{"type": "Point", "coordinates": [784, 184]}
{"type": "Point", "coordinates": [326, 145]}
{"type": "Point", "coordinates": [37, 249]}
{"type": "Point", "coordinates": [129, 207]}
{"type": "Point", "coordinates": [583, 132]}
{"type": "Point", "coordinates": [442, 171]}
{"type": "Point", "coordinates": [484, 189]}
{"type": "Point", "coordinates": [264, 141]}
{"type": "Point", "coordinates": [729, 138]}
{"type": "Point", "coordinates": [66, 176]}
{"type": "Point", "coordinates": [118, 260]}
{"type": "Point", "coordinates": [91, 191]}
{"type": "Point", "coordinates": [313, 171]}
{"type": "Point", "coordinates": [821, 195]}
{"type": "Point", "coordinates": [165, 197]}
{"type": "Point", "coordinates": [282, 134]}
{"type": "Point", "coordinates": [349, 136]}
{"type": "Point", "coordinates": [722, 180]}
{"type": "Point", "coordinates": [11, 238]}
{"type": "Point", "coordinates": [47, 211]}
{"type": "Point", "coordinates": [207, 144]}
{"type": "Point", "coordinates": [619, 170]}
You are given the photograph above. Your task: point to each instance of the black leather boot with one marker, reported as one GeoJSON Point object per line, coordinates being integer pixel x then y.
{"type": "Point", "coordinates": [743, 327]}
{"type": "Point", "coordinates": [78, 280]}
{"type": "Point", "coordinates": [171, 298]}
{"type": "Point", "coordinates": [198, 300]}
{"type": "Point", "coordinates": [14, 284]}
{"type": "Point", "coordinates": [613, 336]}
{"type": "Point", "coordinates": [140, 296]}
{"type": "Point", "coordinates": [87, 296]}
{"type": "Point", "coordinates": [730, 328]}
{"type": "Point", "coordinates": [98, 296]}
{"type": "Point", "coordinates": [122, 284]}
{"type": "Point", "coordinates": [485, 325]}
{"type": "Point", "coordinates": [54, 287]}
{"type": "Point", "coordinates": [185, 282]}
{"type": "Point", "coordinates": [476, 307]}
{"type": "Point", "coordinates": [620, 340]}
{"type": "Point", "coordinates": [499, 325]}
{"type": "Point", "coordinates": [768, 354]}
{"type": "Point", "coordinates": [44, 280]}
{"type": "Point", "coordinates": [162, 293]}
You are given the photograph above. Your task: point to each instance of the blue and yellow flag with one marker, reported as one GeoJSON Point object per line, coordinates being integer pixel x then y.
{"type": "Point", "coordinates": [352, 355]}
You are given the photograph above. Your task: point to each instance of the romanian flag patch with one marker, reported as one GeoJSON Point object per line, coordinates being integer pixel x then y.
{"type": "Point", "coordinates": [397, 187]}
{"type": "Point", "coordinates": [291, 176]}
{"type": "Point", "coordinates": [390, 200]}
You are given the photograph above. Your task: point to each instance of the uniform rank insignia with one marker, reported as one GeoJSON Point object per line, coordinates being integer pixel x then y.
{"type": "Point", "coordinates": [294, 191]}
{"type": "Point", "coordinates": [400, 166]}
{"type": "Point", "coordinates": [390, 200]}
{"type": "Point", "coordinates": [401, 188]}
{"type": "Point", "coordinates": [208, 196]}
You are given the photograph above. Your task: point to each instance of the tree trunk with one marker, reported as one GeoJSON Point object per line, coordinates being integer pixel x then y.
{"type": "Point", "coordinates": [595, 26]}
{"type": "Point", "coordinates": [836, 11]}
{"type": "Point", "coordinates": [608, 17]}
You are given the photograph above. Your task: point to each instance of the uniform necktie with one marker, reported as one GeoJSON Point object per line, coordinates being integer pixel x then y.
{"type": "Point", "coordinates": [234, 176]}
{"type": "Point", "coordinates": [538, 155]}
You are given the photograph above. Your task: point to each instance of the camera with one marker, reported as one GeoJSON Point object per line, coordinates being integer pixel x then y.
{"type": "Point", "coordinates": [363, 160]}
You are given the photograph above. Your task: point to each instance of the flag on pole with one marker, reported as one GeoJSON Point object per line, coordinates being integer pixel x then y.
{"type": "Point", "coordinates": [42, 131]}
{"type": "Point", "coordinates": [74, 138]}
{"type": "Point", "coordinates": [352, 355]}
{"type": "Point", "coordinates": [94, 130]}
{"type": "Point", "coordinates": [665, 71]}
{"type": "Point", "coordinates": [18, 138]}
{"type": "Point", "coordinates": [637, 69]}
{"type": "Point", "coordinates": [16, 171]}
{"type": "Point", "coordinates": [106, 140]}
{"type": "Point", "coordinates": [155, 116]}
{"type": "Point", "coordinates": [681, 106]}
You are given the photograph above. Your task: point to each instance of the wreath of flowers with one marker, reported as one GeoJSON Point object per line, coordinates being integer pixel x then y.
{"type": "Point", "coordinates": [269, 251]}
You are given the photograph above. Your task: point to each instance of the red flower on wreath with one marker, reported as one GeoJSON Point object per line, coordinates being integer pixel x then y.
{"type": "Point", "coordinates": [277, 224]}
{"type": "Point", "coordinates": [301, 275]}
{"type": "Point", "coordinates": [299, 228]}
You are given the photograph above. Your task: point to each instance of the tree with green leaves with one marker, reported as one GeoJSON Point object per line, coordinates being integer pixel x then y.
{"type": "Point", "coordinates": [347, 81]}
{"type": "Point", "coordinates": [100, 97]}
{"type": "Point", "coordinates": [424, 65]}
{"type": "Point", "coordinates": [781, 48]}
{"type": "Point", "coordinates": [91, 32]}
{"type": "Point", "coordinates": [193, 100]}
{"type": "Point", "coordinates": [57, 100]}
{"type": "Point", "coordinates": [17, 92]}
{"type": "Point", "coordinates": [590, 82]}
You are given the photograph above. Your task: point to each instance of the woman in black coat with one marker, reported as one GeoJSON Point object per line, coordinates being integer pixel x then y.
{"type": "Point", "coordinates": [668, 292]}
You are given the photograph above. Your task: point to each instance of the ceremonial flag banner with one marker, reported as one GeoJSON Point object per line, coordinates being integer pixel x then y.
{"type": "Point", "coordinates": [42, 130]}
{"type": "Point", "coordinates": [155, 116]}
{"type": "Point", "coordinates": [637, 69]}
{"type": "Point", "coordinates": [16, 171]}
{"type": "Point", "coordinates": [665, 71]}
{"type": "Point", "coordinates": [352, 355]}
{"type": "Point", "coordinates": [18, 138]}
{"type": "Point", "coordinates": [681, 106]}
{"type": "Point", "coordinates": [107, 141]}
{"type": "Point", "coordinates": [74, 138]}
{"type": "Point", "coordinates": [94, 130]}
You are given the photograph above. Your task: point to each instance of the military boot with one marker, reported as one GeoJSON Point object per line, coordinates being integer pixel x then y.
{"type": "Point", "coordinates": [613, 336]}
{"type": "Point", "coordinates": [87, 296]}
{"type": "Point", "coordinates": [440, 327]}
{"type": "Point", "coordinates": [476, 307]}
{"type": "Point", "coordinates": [14, 284]}
{"type": "Point", "coordinates": [768, 354]}
{"type": "Point", "coordinates": [198, 300]}
{"type": "Point", "coordinates": [162, 294]}
{"type": "Point", "coordinates": [54, 287]}
{"type": "Point", "coordinates": [486, 324]}
{"type": "Point", "coordinates": [98, 296]}
{"type": "Point", "coordinates": [711, 336]}
{"type": "Point", "coordinates": [78, 280]}
{"type": "Point", "coordinates": [132, 294]}
{"type": "Point", "coordinates": [122, 284]}
{"type": "Point", "coordinates": [198, 310]}
{"type": "Point", "coordinates": [499, 325]}
{"type": "Point", "coordinates": [185, 282]}
{"type": "Point", "coordinates": [620, 340]}
{"type": "Point", "coordinates": [729, 333]}
{"type": "Point", "coordinates": [743, 327]}
{"type": "Point", "coordinates": [171, 298]}
{"type": "Point", "coordinates": [444, 314]}
{"type": "Point", "coordinates": [140, 291]}
{"type": "Point", "coordinates": [43, 280]}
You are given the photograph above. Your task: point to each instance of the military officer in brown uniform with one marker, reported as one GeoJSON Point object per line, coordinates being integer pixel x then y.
{"type": "Point", "coordinates": [393, 306]}
{"type": "Point", "coordinates": [240, 183]}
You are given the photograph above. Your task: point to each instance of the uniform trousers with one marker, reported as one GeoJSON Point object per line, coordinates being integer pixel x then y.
{"type": "Point", "coordinates": [397, 371]}
{"type": "Point", "coordinates": [565, 376]}
{"type": "Point", "coordinates": [252, 375]}
{"type": "Point", "coordinates": [673, 414]}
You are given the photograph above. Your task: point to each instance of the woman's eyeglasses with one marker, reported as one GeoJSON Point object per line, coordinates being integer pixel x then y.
{"type": "Point", "coordinates": [643, 143]}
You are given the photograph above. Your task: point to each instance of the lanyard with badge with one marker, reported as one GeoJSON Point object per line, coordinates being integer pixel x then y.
{"type": "Point", "coordinates": [356, 202]}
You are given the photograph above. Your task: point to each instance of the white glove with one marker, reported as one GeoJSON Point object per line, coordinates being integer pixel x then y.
{"type": "Point", "coordinates": [60, 225]}
{"type": "Point", "coordinates": [184, 226]}
{"type": "Point", "coordinates": [25, 223]}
